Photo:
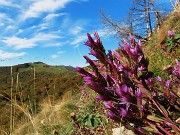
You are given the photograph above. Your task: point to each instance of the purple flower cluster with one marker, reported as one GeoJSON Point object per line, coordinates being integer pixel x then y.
{"type": "Point", "coordinates": [171, 33]}
{"type": "Point", "coordinates": [123, 82]}
{"type": "Point", "coordinates": [176, 71]}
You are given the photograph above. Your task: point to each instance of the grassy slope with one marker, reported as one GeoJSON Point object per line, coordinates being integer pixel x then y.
{"type": "Point", "coordinates": [51, 82]}
{"type": "Point", "coordinates": [158, 58]}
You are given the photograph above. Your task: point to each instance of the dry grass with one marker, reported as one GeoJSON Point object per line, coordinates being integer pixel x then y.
{"type": "Point", "coordinates": [158, 58]}
{"type": "Point", "coordinates": [51, 114]}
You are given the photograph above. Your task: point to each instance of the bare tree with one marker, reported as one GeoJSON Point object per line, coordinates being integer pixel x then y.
{"type": "Point", "coordinates": [121, 28]}
{"type": "Point", "coordinates": [142, 11]}
{"type": "Point", "coordinates": [143, 17]}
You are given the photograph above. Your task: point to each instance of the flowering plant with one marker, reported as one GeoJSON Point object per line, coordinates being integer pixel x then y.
{"type": "Point", "coordinates": [172, 40]}
{"type": "Point", "coordinates": [131, 95]}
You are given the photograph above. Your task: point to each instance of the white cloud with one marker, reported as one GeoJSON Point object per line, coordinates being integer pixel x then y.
{"type": "Point", "coordinates": [5, 3]}
{"type": "Point", "coordinates": [54, 44]}
{"type": "Point", "coordinates": [105, 32]}
{"type": "Point", "coordinates": [8, 55]}
{"type": "Point", "coordinates": [8, 4]}
{"type": "Point", "coordinates": [66, 23]}
{"type": "Point", "coordinates": [54, 56]}
{"type": "Point", "coordinates": [2, 15]}
{"type": "Point", "coordinates": [57, 54]}
{"type": "Point", "coordinates": [19, 31]}
{"type": "Point", "coordinates": [76, 46]}
{"type": "Point", "coordinates": [61, 52]}
{"type": "Point", "coordinates": [41, 6]}
{"type": "Point", "coordinates": [1, 24]}
{"type": "Point", "coordinates": [43, 37]}
{"type": "Point", "coordinates": [5, 17]}
{"type": "Point", "coordinates": [52, 16]}
{"type": "Point", "coordinates": [76, 30]}
{"type": "Point", "coordinates": [19, 43]}
{"type": "Point", "coordinates": [10, 27]}
{"type": "Point", "coordinates": [79, 39]}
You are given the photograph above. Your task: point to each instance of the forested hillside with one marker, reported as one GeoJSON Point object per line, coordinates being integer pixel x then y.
{"type": "Point", "coordinates": [30, 84]}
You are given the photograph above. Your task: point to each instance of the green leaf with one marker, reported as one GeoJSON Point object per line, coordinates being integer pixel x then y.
{"type": "Point", "coordinates": [88, 123]}
{"type": "Point", "coordinates": [154, 118]}
{"type": "Point", "coordinates": [96, 122]}
{"type": "Point", "coordinates": [177, 37]}
{"type": "Point", "coordinates": [149, 129]}
{"type": "Point", "coordinates": [169, 48]}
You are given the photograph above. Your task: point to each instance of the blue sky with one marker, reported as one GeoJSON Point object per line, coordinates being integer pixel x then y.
{"type": "Point", "coordinates": [53, 31]}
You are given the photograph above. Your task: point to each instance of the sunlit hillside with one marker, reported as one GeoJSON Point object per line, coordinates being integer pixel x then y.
{"type": "Point", "coordinates": [39, 99]}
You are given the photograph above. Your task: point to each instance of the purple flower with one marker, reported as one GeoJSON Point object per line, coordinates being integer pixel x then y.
{"type": "Point", "coordinates": [108, 78]}
{"type": "Point", "coordinates": [113, 116]}
{"type": "Point", "coordinates": [138, 93]}
{"type": "Point", "coordinates": [168, 83]}
{"type": "Point", "coordinates": [123, 112]}
{"type": "Point", "coordinates": [140, 130]}
{"type": "Point", "coordinates": [133, 51]}
{"type": "Point", "coordinates": [140, 58]}
{"type": "Point", "coordinates": [102, 97]}
{"type": "Point", "coordinates": [108, 105]}
{"type": "Point", "coordinates": [83, 92]}
{"type": "Point", "coordinates": [176, 70]}
{"type": "Point", "coordinates": [120, 67]}
{"type": "Point", "coordinates": [90, 41]}
{"type": "Point", "coordinates": [167, 124]}
{"type": "Point", "coordinates": [88, 79]}
{"type": "Point", "coordinates": [117, 55]}
{"type": "Point", "coordinates": [159, 79]}
{"type": "Point", "coordinates": [139, 44]}
{"type": "Point", "coordinates": [118, 92]}
{"type": "Point", "coordinates": [83, 72]}
{"type": "Point", "coordinates": [124, 88]}
{"type": "Point", "coordinates": [141, 68]}
{"type": "Point", "coordinates": [171, 33]}
{"type": "Point", "coordinates": [124, 100]}
{"type": "Point", "coordinates": [92, 52]}
{"type": "Point", "coordinates": [132, 39]}
{"type": "Point", "coordinates": [149, 81]}
{"type": "Point", "coordinates": [124, 83]}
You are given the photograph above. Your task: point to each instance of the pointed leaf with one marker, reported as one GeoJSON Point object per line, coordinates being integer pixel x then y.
{"type": "Point", "coordinates": [163, 109]}
{"type": "Point", "coordinates": [154, 118]}
{"type": "Point", "coordinates": [149, 129]}
{"type": "Point", "coordinates": [177, 36]}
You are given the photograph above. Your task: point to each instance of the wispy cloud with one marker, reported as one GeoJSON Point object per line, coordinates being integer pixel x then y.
{"type": "Point", "coordinates": [61, 52]}
{"type": "Point", "coordinates": [8, 55]}
{"type": "Point", "coordinates": [76, 30]}
{"type": "Point", "coordinates": [52, 16]}
{"type": "Point", "coordinates": [5, 3]}
{"type": "Point", "coordinates": [4, 17]}
{"type": "Point", "coordinates": [55, 44]}
{"type": "Point", "coordinates": [39, 7]}
{"type": "Point", "coordinates": [76, 46]}
{"type": "Point", "coordinates": [57, 54]}
{"type": "Point", "coordinates": [10, 27]}
{"type": "Point", "coordinates": [54, 56]}
{"type": "Point", "coordinates": [43, 37]}
{"type": "Point", "coordinates": [20, 43]}
{"type": "Point", "coordinates": [79, 39]}
{"type": "Point", "coordinates": [8, 3]}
